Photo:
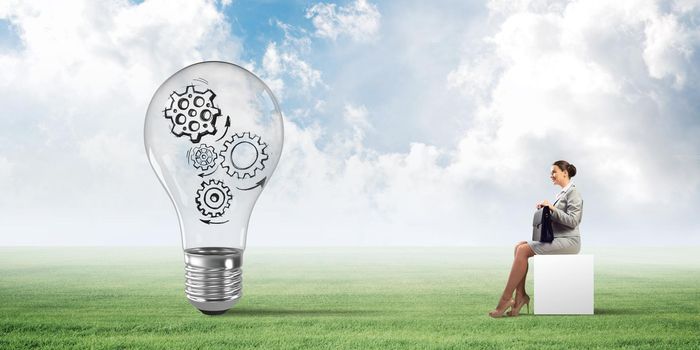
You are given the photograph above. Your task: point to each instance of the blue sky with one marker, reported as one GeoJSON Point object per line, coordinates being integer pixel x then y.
{"type": "Point", "coordinates": [258, 24]}
{"type": "Point", "coordinates": [407, 123]}
{"type": "Point", "coordinates": [252, 22]}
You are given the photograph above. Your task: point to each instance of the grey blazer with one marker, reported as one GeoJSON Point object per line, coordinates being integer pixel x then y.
{"type": "Point", "coordinates": [567, 213]}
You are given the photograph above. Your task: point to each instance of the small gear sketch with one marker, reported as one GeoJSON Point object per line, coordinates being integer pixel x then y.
{"type": "Point", "coordinates": [244, 154]}
{"type": "Point", "coordinates": [192, 113]}
{"type": "Point", "coordinates": [213, 198]}
{"type": "Point", "coordinates": [203, 157]}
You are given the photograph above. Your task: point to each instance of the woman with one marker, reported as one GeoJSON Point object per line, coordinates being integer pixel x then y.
{"type": "Point", "coordinates": [566, 216]}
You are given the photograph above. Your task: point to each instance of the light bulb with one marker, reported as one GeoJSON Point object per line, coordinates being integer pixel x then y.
{"type": "Point", "coordinates": [213, 135]}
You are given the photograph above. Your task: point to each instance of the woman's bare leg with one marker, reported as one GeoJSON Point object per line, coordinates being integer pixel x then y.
{"type": "Point", "coordinates": [517, 271]}
{"type": "Point", "coordinates": [520, 288]}
{"type": "Point", "coordinates": [517, 275]}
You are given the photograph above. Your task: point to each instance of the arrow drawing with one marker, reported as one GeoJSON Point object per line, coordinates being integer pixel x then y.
{"type": "Point", "coordinates": [228, 123]}
{"type": "Point", "coordinates": [209, 222]}
{"type": "Point", "coordinates": [202, 175]}
{"type": "Point", "coordinates": [260, 183]}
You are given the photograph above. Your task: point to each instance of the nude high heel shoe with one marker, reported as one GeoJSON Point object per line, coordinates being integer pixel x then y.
{"type": "Point", "coordinates": [499, 312]}
{"type": "Point", "coordinates": [515, 310]}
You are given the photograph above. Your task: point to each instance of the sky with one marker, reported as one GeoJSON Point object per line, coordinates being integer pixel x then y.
{"type": "Point", "coordinates": [407, 123]}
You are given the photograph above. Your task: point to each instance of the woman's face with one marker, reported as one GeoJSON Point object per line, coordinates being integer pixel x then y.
{"type": "Point", "coordinates": [558, 176]}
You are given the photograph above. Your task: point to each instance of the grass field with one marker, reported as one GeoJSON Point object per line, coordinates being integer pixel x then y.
{"type": "Point", "coordinates": [337, 298]}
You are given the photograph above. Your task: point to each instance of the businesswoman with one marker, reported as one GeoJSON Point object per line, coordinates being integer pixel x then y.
{"type": "Point", "coordinates": [566, 216]}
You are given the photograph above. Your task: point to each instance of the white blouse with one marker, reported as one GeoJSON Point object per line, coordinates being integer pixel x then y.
{"type": "Point", "coordinates": [563, 190]}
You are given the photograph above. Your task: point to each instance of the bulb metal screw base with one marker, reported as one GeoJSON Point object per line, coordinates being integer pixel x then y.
{"type": "Point", "coordinates": [213, 278]}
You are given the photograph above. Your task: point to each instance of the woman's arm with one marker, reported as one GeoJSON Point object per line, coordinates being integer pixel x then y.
{"type": "Point", "coordinates": [574, 210]}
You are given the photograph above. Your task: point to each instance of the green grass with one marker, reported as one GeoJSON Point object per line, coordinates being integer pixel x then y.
{"type": "Point", "coordinates": [337, 298]}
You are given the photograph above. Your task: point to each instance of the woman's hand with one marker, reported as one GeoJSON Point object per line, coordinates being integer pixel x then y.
{"type": "Point", "coordinates": [545, 203]}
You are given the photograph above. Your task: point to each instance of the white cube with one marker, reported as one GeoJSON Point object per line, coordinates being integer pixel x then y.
{"type": "Point", "coordinates": [563, 284]}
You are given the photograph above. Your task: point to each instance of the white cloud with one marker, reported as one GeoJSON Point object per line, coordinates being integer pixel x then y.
{"type": "Point", "coordinates": [114, 153]}
{"type": "Point", "coordinates": [360, 20]}
{"type": "Point", "coordinates": [350, 142]}
{"type": "Point", "coordinates": [603, 84]}
{"type": "Point", "coordinates": [356, 116]}
{"type": "Point", "coordinates": [562, 83]}
{"type": "Point", "coordinates": [273, 69]}
{"type": "Point", "coordinates": [668, 49]}
{"type": "Point", "coordinates": [295, 38]}
{"type": "Point", "coordinates": [75, 93]}
{"type": "Point", "coordinates": [286, 65]}
{"type": "Point", "coordinates": [475, 78]}
{"type": "Point", "coordinates": [282, 64]}
{"type": "Point", "coordinates": [553, 80]}
{"type": "Point", "coordinates": [349, 195]}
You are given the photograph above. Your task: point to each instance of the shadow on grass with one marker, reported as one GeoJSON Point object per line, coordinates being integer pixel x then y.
{"type": "Point", "coordinates": [613, 311]}
{"type": "Point", "coordinates": [597, 311]}
{"type": "Point", "coordinates": [293, 312]}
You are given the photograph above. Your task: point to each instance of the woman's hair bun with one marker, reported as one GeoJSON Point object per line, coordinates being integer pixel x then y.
{"type": "Point", "coordinates": [564, 165]}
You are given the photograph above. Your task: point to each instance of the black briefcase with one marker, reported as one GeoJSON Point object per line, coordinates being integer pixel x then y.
{"type": "Point", "coordinates": [542, 226]}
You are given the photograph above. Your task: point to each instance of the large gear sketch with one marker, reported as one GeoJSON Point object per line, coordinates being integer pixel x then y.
{"type": "Point", "coordinates": [203, 157]}
{"type": "Point", "coordinates": [192, 113]}
{"type": "Point", "coordinates": [243, 155]}
{"type": "Point", "coordinates": [213, 198]}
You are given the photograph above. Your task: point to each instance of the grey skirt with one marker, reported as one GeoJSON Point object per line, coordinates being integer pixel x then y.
{"type": "Point", "coordinates": [560, 245]}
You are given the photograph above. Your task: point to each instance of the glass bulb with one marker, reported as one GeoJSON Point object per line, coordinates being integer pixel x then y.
{"type": "Point", "coordinates": [213, 135]}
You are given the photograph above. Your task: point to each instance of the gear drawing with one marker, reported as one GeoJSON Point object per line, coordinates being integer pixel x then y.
{"type": "Point", "coordinates": [203, 157]}
{"type": "Point", "coordinates": [213, 198]}
{"type": "Point", "coordinates": [243, 155]}
{"type": "Point", "coordinates": [192, 113]}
